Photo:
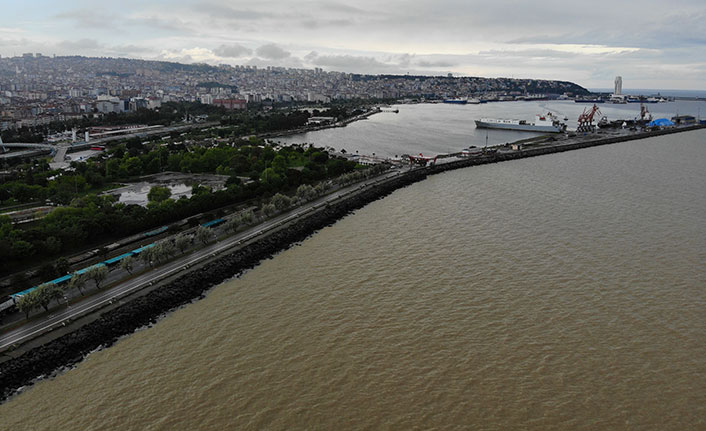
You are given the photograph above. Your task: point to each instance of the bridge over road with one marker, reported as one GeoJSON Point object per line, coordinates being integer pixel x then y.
{"type": "Point", "coordinates": [4, 147]}
{"type": "Point", "coordinates": [58, 151]}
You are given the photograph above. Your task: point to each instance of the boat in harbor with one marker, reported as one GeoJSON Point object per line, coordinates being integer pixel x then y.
{"type": "Point", "coordinates": [589, 100]}
{"type": "Point", "coordinates": [542, 123]}
{"type": "Point", "coordinates": [464, 100]}
{"type": "Point", "coordinates": [604, 123]}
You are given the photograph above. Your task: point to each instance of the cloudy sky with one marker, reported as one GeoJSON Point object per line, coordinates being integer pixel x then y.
{"type": "Point", "coordinates": [659, 45]}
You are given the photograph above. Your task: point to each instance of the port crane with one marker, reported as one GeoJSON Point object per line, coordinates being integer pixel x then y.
{"type": "Point", "coordinates": [586, 119]}
{"type": "Point", "coordinates": [644, 113]}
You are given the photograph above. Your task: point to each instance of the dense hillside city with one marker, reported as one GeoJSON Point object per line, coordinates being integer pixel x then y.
{"type": "Point", "coordinates": [37, 89]}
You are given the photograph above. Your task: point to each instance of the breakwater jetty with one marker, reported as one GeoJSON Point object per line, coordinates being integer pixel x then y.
{"type": "Point", "coordinates": [551, 145]}
{"type": "Point", "coordinates": [20, 368]}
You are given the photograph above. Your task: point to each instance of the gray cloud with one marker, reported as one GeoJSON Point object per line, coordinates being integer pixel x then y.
{"type": "Point", "coordinates": [529, 53]}
{"type": "Point", "coordinates": [179, 59]}
{"type": "Point", "coordinates": [97, 19]}
{"type": "Point", "coordinates": [129, 50]}
{"type": "Point", "coordinates": [394, 64]}
{"type": "Point", "coordinates": [233, 51]}
{"type": "Point", "coordinates": [272, 52]}
{"type": "Point", "coordinates": [14, 46]}
{"type": "Point", "coordinates": [80, 45]}
{"type": "Point", "coordinates": [220, 11]}
{"type": "Point", "coordinates": [87, 18]}
{"type": "Point", "coordinates": [402, 60]}
{"type": "Point", "coordinates": [351, 63]}
{"type": "Point", "coordinates": [156, 23]}
{"type": "Point", "coordinates": [311, 57]}
{"type": "Point", "coordinates": [315, 24]}
{"type": "Point", "coordinates": [341, 8]}
{"type": "Point", "coordinates": [132, 48]}
{"type": "Point", "coordinates": [435, 63]}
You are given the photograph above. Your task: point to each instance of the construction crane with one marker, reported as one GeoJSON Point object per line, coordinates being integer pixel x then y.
{"type": "Point", "coordinates": [586, 119]}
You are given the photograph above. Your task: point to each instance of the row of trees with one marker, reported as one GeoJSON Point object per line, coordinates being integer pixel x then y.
{"type": "Point", "coordinates": [42, 296]}
{"type": "Point", "coordinates": [305, 192]}
{"type": "Point", "coordinates": [166, 249]}
{"type": "Point", "coordinates": [161, 252]}
{"type": "Point", "coordinates": [355, 176]}
{"type": "Point", "coordinates": [242, 219]}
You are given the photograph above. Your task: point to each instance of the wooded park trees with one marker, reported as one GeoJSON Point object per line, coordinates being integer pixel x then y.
{"type": "Point", "coordinates": [86, 215]}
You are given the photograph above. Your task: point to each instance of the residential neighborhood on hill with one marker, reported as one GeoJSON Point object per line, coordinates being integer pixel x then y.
{"type": "Point", "coordinates": [37, 89]}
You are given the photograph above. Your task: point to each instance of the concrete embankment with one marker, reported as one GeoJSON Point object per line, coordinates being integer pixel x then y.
{"type": "Point", "coordinates": [144, 310]}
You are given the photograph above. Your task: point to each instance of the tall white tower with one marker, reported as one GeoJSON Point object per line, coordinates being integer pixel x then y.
{"type": "Point", "coordinates": [618, 85]}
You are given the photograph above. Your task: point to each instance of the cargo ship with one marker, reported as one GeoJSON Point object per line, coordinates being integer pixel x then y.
{"type": "Point", "coordinates": [604, 123]}
{"type": "Point", "coordinates": [542, 123]}
{"type": "Point", "coordinates": [463, 101]}
{"type": "Point", "coordinates": [457, 101]}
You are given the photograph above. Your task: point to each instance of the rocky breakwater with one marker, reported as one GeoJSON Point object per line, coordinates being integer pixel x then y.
{"type": "Point", "coordinates": [554, 146]}
{"type": "Point", "coordinates": [145, 310]}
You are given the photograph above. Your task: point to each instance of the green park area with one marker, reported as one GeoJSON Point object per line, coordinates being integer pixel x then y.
{"type": "Point", "coordinates": [256, 172]}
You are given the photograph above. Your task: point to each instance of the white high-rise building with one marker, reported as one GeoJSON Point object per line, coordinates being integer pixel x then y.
{"type": "Point", "coordinates": [618, 85]}
{"type": "Point", "coordinates": [206, 99]}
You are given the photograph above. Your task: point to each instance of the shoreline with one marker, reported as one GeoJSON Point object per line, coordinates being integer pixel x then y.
{"type": "Point", "coordinates": [106, 327]}
{"type": "Point", "coordinates": [307, 129]}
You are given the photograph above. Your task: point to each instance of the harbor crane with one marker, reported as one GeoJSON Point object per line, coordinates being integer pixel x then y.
{"type": "Point", "coordinates": [644, 113]}
{"type": "Point", "coordinates": [586, 119]}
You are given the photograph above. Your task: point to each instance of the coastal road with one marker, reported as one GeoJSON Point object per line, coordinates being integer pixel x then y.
{"type": "Point", "coordinates": [105, 297]}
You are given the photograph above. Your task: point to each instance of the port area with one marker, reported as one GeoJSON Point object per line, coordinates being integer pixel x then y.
{"type": "Point", "coordinates": [546, 144]}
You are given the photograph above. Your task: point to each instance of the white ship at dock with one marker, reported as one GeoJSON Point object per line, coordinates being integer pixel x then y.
{"type": "Point", "coordinates": [542, 123]}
